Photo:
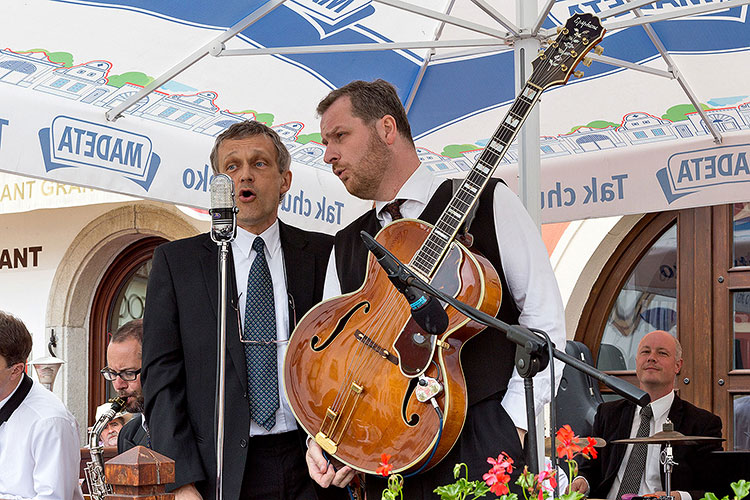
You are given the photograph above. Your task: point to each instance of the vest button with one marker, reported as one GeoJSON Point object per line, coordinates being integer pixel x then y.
{"type": "Point", "coordinates": [243, 443]}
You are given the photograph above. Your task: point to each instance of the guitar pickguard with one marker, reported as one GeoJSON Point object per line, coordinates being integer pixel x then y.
{"type": "Point", "coordinates": [414, 346]}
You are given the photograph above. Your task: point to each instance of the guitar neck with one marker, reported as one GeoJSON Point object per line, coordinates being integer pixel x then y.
{"type": "Point", "coordinates": [428, 257]}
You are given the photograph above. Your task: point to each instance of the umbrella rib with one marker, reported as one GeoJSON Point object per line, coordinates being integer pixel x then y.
{"type": "Point", "coordinates": [467, 53]}
{"type": "Point", "coordinates": [439, 16]}
{"type": "Point", "coordinates": [362, 47]}
{"type": "Point", "coordinates": [680, 78]}
{"type": "Point", "coordinates": [542, 16]}
{"type": "Point", "coordinates": [214, 45]}
{"type": "Point", "coordinates": [627, 64]}
{"type": "Point", "coordinates": [423, 67]}
{"type": "Point", "coordinates": [494, 14]}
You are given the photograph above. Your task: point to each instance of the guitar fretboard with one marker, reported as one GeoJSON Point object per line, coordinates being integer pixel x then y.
{"type": "Point", "coordinates": [428, 257]}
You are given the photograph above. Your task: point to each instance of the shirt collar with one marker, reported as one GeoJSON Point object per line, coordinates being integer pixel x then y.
{"type": "Point", "coordinates": [661, 407]}
{"type": "Point", "coordinates": [419, 187]}
{"type": "Point", "coordinates": [244, 240]}
{"type": "Point", "coordinates": [2, 403]}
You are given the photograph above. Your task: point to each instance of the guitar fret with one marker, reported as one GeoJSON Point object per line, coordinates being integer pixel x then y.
{"type": "Point", "coordinates": [454, 213]}
{"type": "Point", "coordinates": [512, 122]}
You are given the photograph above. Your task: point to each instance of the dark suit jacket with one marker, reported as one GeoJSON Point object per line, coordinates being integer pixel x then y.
{"type": "Point", "coordinates": [179, 353]}
{"type": "Point", "coordinates": [132, 434]}
{"type": "Point", "coordinates": [613, 421]}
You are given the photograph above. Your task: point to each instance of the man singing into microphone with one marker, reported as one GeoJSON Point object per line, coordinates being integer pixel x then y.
{"type": "Point", "coordinates": [277, 274]}
{"type": "Point", "coordinates": [370, 148]}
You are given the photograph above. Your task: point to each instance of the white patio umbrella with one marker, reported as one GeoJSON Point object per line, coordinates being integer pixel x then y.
{"type": "Point", "coordinates": [127, 96]}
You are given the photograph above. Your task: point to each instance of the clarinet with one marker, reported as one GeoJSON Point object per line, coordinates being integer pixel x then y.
{"type": "Point", "coordinates": [94, 469]}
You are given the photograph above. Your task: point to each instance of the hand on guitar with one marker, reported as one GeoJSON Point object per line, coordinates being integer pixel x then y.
{"type": "Point", "coordinates": [323, 472]}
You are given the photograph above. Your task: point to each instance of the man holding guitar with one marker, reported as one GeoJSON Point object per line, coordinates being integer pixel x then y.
{"type": "Point", "coordinates": [369, 146]}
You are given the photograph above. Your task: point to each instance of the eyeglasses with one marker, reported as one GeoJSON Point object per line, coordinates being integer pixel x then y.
{"type": "Point", "coordinates": [126, 375]}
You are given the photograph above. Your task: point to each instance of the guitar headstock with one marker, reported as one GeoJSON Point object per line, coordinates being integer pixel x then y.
{"type": "Point", "coordinates": [580, 34]}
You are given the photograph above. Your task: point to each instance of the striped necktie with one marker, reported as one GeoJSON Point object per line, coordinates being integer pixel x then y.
{"type": "Point", "coordinates": [636, 466]}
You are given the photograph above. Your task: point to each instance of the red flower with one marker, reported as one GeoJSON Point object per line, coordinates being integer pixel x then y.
{"type": "Point", "coordinates": [568, 442]}
{"type": "Point", "coordinates": [498, 476]}
{"type": "Point", "coordinates": [385, 468]}
{"type": "Point", "coordinates": [589, 451]}
{"type": "Point", "coordinates": [503, 463]}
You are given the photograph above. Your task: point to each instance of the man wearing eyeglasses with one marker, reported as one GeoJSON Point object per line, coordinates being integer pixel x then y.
{"type": "Point", "coordinates": [123, 370]}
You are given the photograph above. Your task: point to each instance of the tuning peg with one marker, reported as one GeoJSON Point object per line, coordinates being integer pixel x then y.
{"type": "Point", "coordinates": [599, 50]}
{"type": "Point", "coordinates": [559, 29]}
{"type": "Point", "coordinates": [578, 74]}
{"type": "Point", "coordinates": [587, 61]}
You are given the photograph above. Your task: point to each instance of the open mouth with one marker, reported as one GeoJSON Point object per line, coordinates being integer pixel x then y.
{"type": "Point", "coordinates": [246, 194]}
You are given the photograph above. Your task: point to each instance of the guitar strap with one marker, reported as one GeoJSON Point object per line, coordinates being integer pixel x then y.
{"type": "Point", "coordinates": [16, 399]}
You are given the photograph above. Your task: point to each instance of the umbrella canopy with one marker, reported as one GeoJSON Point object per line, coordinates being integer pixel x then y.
{"type": "Point", "coordinates": [127, 96]}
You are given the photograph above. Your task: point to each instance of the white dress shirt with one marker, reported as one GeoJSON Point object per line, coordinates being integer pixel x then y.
{"type": "Point", "coordinates": [651, 480]}
{"type": "Point", "coordinates": [40, 453]}
{"type": "Point", "coordinates": [527, 270]}
{"type": "Point", "coordinates": [244, 256]}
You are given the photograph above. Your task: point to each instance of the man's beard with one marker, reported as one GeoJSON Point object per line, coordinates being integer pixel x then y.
{"type": "Point", "coordinates": [135, 407]}
{"type": "Point", "coordinates": [371, 170]}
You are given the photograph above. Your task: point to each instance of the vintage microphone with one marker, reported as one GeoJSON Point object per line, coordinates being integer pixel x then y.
{"type": "Point", "coordinates": [426, 310]}
{"type": "Point", "coordinates": [223, 231]}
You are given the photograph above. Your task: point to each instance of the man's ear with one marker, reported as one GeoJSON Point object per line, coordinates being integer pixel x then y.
{"type": "Point", "coordinates": [388, 129]}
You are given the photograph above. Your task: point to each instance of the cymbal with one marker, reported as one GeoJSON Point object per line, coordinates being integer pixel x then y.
{"type": "Point", "coordinates": [671, 437]}
{"type": "Point", "coordinates": [600, 443]}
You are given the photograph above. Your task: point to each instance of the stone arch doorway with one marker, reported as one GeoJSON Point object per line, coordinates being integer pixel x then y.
{"type": "Point", "coordinates": [79, 277]}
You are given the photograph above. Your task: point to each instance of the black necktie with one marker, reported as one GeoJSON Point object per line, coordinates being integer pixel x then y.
{"type": "Point", "coordinates": [636, 466]}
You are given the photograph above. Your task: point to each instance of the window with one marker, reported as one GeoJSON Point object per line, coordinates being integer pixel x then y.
{"type": "Point", "coordinates": [185, 117]}
{"type": "Point", "coordinates": [657, 132]}
{"type": "Point", "coordinates": [167, 112]}
{"type": "Point", "coordinates": [59, 83]}
{"type": "Point", "coordinates": [639, 135]}
{"type": "Point", "coordinates": [75, 87]}
{"type": "Point", "coordinates": [646, 302]}
{"type": "Point", "coordinates": [547, 149]}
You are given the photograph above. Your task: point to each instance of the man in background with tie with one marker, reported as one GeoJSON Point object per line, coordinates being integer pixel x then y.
{"type": "Point", "coordinates": [635, 468]}
{"type": "Point", "coordinates": [276, 275]}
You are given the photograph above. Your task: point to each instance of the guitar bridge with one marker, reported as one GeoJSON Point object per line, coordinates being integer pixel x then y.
{"type": "Point", "coordinates": [333, 426]}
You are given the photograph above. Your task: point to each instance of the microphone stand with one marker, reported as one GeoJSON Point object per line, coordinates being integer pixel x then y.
{"type": "Point", "coordinates": [221, 366]}
{"type": "Point", "coordinates": [223, 232]}
{"type": "Point", "coordinates": [530, 351]}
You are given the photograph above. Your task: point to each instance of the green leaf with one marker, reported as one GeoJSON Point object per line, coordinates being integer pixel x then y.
{"type": "Point", "coordinates": [449, 491]}
{"type": "Point", "coordinates": [573, 495]}
{"type": "Point", "coordinates": [741, 489]}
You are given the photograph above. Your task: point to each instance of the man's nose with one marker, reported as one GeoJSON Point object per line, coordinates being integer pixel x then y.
{"type": "Point", "coordinates": [119, 384]}
{"type": "Point", "coordinates": [330, 155]}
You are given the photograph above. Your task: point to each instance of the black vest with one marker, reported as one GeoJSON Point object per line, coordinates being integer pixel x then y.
{"type": "Point", "coordinates": [488, 358]}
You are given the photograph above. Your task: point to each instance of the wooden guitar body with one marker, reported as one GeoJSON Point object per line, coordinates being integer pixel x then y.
{"type": "Point", "coordinates": [354, 362]}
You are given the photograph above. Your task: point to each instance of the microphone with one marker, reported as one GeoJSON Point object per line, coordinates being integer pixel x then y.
{"type": "Point", "coordinates": [426, 310]}
{"type": "Point", "coordinates": [223, 211]}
